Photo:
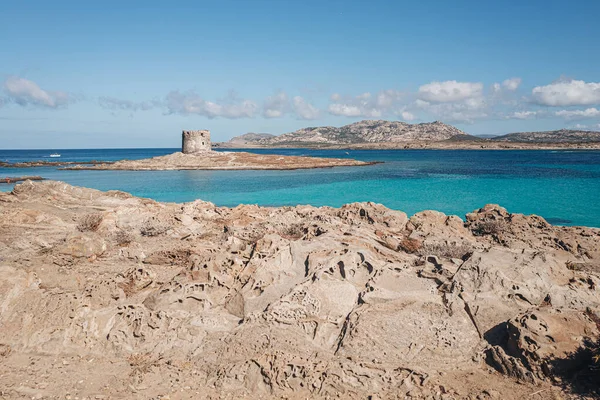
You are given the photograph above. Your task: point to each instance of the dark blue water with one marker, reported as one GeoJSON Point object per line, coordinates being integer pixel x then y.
{"type": "Point", "coordinates": [562, 186]}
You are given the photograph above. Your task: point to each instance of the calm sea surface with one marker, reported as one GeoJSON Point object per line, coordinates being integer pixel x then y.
{"type": "Point", "coordinates": [561, 186]}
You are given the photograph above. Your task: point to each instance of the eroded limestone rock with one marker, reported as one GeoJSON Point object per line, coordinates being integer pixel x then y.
{"type": "Point", "coordinates": [290, 302]}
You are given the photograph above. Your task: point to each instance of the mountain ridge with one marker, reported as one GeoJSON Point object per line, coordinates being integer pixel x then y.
{"type": "Point", "coordinates": [398, 134]}
{"type": "Point", "coordinates": [555, 136]}
{"type": "Point", "coordinates": [366, 131]}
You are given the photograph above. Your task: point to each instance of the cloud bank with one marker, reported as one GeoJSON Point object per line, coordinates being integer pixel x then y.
{"type": "Point", "coordinates": [567, 93]}
{"type": "Point", "coordinates": [190, 103]}
{"type": "Point", "coordinates": [305, 110]}
{"type": "Point", "coordinates": [450, 101]}
{"type": "Point", "coordinates": [579, 114]}
{"type": "Point", "coordinates": [276, 106]}
{"type": "Point", "coordinates": [27, 93]}
{"type": "Point", "coordinates": [450, 91]}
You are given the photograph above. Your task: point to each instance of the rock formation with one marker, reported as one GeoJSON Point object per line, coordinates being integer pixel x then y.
{"type": "Point", "coordinates": [105, 295]}
{"type": "Point", "coordinates": [193, 142]}
{"type": "Point", "coordinates": [249, 137]}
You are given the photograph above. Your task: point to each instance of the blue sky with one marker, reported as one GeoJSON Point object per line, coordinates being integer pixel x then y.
{"type": "Point", "coordinates": [79, 74]}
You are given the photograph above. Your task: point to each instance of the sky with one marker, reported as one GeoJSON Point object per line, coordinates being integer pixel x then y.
{"type": "Point", "coordinates": [115, 74]}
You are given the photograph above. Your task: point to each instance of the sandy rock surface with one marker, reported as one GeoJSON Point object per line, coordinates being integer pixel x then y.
{"type": "Point", "coordinates": [105, 295]}
{"type": "Point", "coordinates": [223, 160]}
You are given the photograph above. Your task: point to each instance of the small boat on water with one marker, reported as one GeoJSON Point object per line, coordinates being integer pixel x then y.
{"type": "Point", "coordinates": [54, 155]}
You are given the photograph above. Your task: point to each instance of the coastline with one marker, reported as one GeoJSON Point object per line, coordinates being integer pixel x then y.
{"type": "Point", "coordinates": [107, 165]}
{"type": "Point", "coordinates": [345, 185]}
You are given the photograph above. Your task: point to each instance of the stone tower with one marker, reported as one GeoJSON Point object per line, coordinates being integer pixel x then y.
{"type": "Point", "coordinates": [193, 142]}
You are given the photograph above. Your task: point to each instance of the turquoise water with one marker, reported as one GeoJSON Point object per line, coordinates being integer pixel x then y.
{"type": "Point", "coordinates": [562, 186]}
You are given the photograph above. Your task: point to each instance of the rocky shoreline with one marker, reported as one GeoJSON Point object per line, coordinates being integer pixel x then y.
{"type": "Point", "coordinates": [16, 179]}
{"type": "Point", "coordinates": [213, 160]}
{"type": "Point", "coordinates": [106, 295]}
{"type": "Point", "coordinates": [33, 164]}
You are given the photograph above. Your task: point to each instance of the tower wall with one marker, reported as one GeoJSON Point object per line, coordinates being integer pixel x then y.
{"type": "Point", "coordinates": [195, 141]}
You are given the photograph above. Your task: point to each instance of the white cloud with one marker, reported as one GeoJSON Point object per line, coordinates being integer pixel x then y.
{"type": "Point", "coordinates": [507, 86]}
{"type": "Point", "coordinates": [579, 114]}
{"type": "Point", "coordinates": [349, 110]}
{"type": "Point", "coordinates": [304, 110]}
{"type": "Point", "coordinates": [365, 105]}
{"type": "Point", "coordinates": [232, 107]}
{"type": "Point", "coordinates": [511, 84]}
{"type": "Point", "coordinates": [275, 106]}
{"type": "Point", "coordinates": [25, 92]}
{"type": "Point", "coordinates": [344, 110]}
{"type": "Point", "coordinates": [594, 127]}
{"type": "Point", "coordinates": [192, 103]}
{"type": "Point", "coordinates": [387, 98]}
{"type": "Point", "coordinates": [407, 116]}
{"type": "Point", "coordinates": [455, 112]}
{"type": "Point", "coordinates": [567, 93]}
{"type": "Point", "coordinates": [112, 103]}
{"type": "Point", "coordinates": [449, 91]}
{"type": "Point", "coordinates": [279, 104]}
{"type": "Point", "coordinates": [422, 103]}
{"type": "Point", "coordinates": [465, 110]}
{"type": "Point", "coordinates": [523, 115]}
{"type": "Point", "coordinates": [453, 101]}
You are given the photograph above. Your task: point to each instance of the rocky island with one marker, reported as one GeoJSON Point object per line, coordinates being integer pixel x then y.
{"type": "Point", "coordinates": [380, 134]}
{"type": "Point", "coordinates": [106, 295]}
{"type": "Point", "coordinates": [197, 154]}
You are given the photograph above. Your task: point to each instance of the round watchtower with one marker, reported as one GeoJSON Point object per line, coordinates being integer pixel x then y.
{"type": "Point", "coordinates": [195, 141]}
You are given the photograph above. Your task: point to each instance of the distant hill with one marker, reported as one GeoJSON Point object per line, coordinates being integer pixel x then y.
{"type": "Point", "coordinates": [250, 137]}
{"type": "Point", "coordinates": [396, 134]}
{"type": "Point", "coordinates": [559, 136]}
{"type": "Point", "coordinates": [368, 131]}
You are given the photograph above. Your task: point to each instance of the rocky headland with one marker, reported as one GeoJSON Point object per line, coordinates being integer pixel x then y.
{"type": "Point", "coordinates": [558, 136]}
{"type": "Point", "coordinates": [220, 160]}
{"type": "Point", "coordinates": [15, 179]}
{"type": "Point", "coordinates": [106, 295]}
{"type": "Point", "coordinates": [380, 134]}
{"type": "Point", "coordinates": [38, 163]}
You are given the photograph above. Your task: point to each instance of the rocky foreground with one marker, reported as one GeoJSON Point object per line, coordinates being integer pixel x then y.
{"type": "Point", "coordinates": [105, 295]}
{"type": "Point", "coordinates": [215, 160]}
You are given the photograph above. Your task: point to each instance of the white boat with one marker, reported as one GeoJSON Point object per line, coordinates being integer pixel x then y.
{"type": "Point", "coordinates": [54, 155]}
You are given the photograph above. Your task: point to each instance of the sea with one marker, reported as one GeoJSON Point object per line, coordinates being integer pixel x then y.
{"type": "Point", "coordinates": [561, 186]}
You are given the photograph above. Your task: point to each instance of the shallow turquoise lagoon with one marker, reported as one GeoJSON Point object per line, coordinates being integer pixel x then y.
{"type": "Point", "coordinates": [561, 186]}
